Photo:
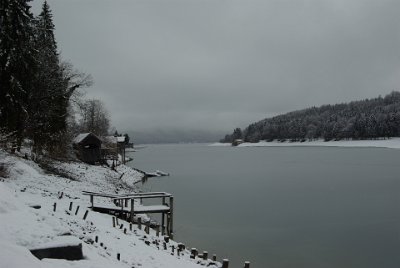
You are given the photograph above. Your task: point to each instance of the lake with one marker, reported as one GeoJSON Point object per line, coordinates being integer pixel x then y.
{"type": "Point", "coordinates": [283, 207]}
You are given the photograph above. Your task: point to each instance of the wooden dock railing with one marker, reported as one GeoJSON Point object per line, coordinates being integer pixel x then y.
{"type": "Point", "coordinates": [125, 205]}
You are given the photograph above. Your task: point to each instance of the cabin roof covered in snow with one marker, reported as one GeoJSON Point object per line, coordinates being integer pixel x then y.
{"type": "Point", "coordinates": [121, 138]}
{"type": "Point", "coordinates": [109, 139]}
{"type": "Point", "coordinates": [80, 137]}
{"type": "Point", "coordinates": [85, 138]}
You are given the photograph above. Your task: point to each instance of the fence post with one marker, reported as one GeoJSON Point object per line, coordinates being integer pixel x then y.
{"type": "Point", "coordinates": [132, 209]}
{"type": "Point", "coordinates": [157, 230]}
{"type": "Point", "coordinates": [162, 223]}
{"type": "Point", "coordinates": [246, 264]}
{"type": "Point", "coordinates": [171, 209]}
{"type": "Point", "coordinates": [86, 213]}
{"type": "Point", "coordinates": [225, 263]}
{"type": "Point", "coordinates": [205, 255]}
{"type": "Point", "coordinates": [193, 253]}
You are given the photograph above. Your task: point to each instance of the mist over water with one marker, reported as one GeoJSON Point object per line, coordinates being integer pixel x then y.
{"type": "Point", "coordinates": [283, 207]}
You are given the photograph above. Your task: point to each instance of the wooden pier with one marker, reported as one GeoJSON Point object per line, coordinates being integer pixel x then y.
{"type": "Point", "coordinates": [129, 205]}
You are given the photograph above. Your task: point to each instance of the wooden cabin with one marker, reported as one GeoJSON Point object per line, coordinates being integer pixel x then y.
{"type": "Point", "coordinates": [87, 148]}
{"type": "Point", "coordinates": [121, 147]}
{"type": "Point", "coordinates": [109, 148]}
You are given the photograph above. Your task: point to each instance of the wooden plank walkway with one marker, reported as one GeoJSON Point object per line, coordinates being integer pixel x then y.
{"type": "Point", "coordinates": [129, 205]}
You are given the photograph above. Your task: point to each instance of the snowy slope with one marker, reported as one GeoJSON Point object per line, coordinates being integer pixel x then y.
{"type": "Point", "coordinates": [23, 227]}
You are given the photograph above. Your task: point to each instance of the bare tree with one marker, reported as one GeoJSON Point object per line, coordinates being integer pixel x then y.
{"type": "Point", "coordinates": [94, 117]}
{"type": "Point", "coordinates": [74, 79]}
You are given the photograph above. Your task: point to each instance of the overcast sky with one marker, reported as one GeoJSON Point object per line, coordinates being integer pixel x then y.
{"type": "Point", "coordinates": [219, 64]}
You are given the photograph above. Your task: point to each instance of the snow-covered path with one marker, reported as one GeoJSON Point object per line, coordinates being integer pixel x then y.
{"type": "Point", "coordinates": [23, 227]}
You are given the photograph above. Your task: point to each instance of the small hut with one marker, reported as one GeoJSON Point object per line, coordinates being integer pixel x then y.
{"type": "Point", "coordinates": [109, 148]}
{"type": "Point", "coordinates": [121, 147]}
{"type": "Point", "coordinates": [112, 146]}
{"type": "Point", "coordinates": [236, 142]}
{"type": "Point", "coordinates": [87, 148]}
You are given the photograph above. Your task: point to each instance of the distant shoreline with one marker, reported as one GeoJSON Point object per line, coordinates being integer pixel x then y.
{"type": "Point", "coordinates": [392, 143]}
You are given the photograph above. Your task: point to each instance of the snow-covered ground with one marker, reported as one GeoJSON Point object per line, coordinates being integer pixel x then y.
{"type": "Point", "coordinates": [23, 227]}
{"type": "Point", "coordinates": [393, 143]}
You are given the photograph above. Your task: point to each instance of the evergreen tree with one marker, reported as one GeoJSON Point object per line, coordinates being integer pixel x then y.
{"type": "Point", "coordinates": [17, 65]}
{"type": "Point", "coordinates": [127, 139]}
{"type": "Point", "coordinates": [48, 104]}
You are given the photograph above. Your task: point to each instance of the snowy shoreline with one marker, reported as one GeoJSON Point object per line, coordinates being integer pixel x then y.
{"type": "Point", "coordinates": [29, 220]}
{"type": "Point", "coordinates": [392, 143]}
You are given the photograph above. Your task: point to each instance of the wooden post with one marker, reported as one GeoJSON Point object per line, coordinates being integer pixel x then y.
{"type": "Point", "coordinates": [147, 228]}
{"type": "Point", "coordinates": [113, 220]}
{"type": "Point", "coordinates": [139, 221]}
{"type": "Point", "coordinates": [118, 256]}
{"type": "Point", "coordinates": [130, 226]}
{"type": "Point", "coordinates": [214, 258]}
{"type": "Point", "coordinates": [205, 255]}
{"type": "Point", "coordinates": [132, 209]}
{"type": "Point", "coordinates": [168, 222]}
{"type": "Point", "coordinates": [86, 213]}
{"type": "Point", "coordinates": [166, 239]}
{"type": "Point", "coordinates": [225, 263]}
{"type": "Point", "coordinates": [162, 223]}
{"type": "Point", "coordinates": [181, 246]}
{"type": "Point", "coordinates": [157, 230]}
{"type": "Point", "coordinates": [54, 207]}
{"type": "Point", "coordinates": [77, 209]}
{"type": "Point", "coordinates": [70, 206]}
{"type": "Point", "coordinates": [194, 252]}
{"type": "Point", "coordinates": [171, 209]}
{"type": "Point", "coordinates": [124, 230]}
{"type": "Point", "coordinates": [126, 202]}
{"type": "Point", "coordinates": [91, 200]}
{"type": "Point", "coordinates": [96, 239]}
{"type": "Point", "coordinates": [246, 264]}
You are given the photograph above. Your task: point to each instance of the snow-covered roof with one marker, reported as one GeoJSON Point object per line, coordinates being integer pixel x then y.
{"type": "Point", "coordinates": [109, 139]}
{"type": "Point", "coordinates": [121, 138]}
{"type": "Point", "coordinates": [80, 137]}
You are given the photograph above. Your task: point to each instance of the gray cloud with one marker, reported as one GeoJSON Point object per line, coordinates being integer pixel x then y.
{"type": "Point", "coordinates": [215, 65]}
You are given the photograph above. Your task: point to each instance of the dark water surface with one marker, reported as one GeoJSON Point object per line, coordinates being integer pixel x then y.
{"type": "Point", "coordinates": [297, 207]}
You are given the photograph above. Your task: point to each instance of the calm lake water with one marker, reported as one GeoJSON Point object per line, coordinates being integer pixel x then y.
{"type": "Point", "coordinates": [283, 207]}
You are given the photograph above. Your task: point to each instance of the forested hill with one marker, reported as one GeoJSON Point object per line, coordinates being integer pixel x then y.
{"type": "Point", "coordinates": [366, 119]}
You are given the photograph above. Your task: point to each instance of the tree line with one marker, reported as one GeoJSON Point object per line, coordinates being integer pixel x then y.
{"type": "Point", "coordinates": [39, 97]}
{"type": "Point", "coordinates": [366, 119]}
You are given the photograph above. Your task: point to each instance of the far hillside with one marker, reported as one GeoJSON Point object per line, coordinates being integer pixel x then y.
{"type": "Point", "coordinates": [365, 119]}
